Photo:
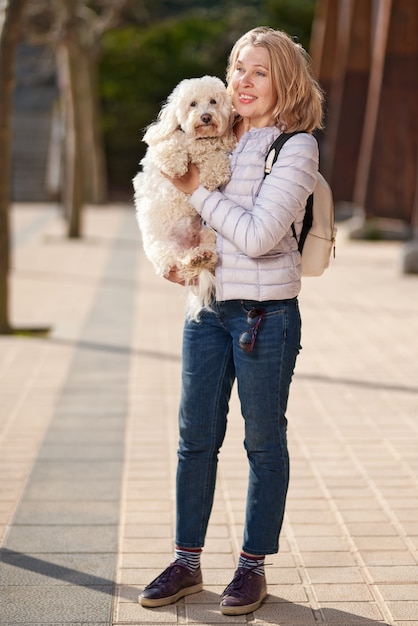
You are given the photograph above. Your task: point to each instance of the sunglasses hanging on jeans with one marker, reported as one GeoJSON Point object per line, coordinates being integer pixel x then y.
{"type": "Point", "coordinates": [247, 338]}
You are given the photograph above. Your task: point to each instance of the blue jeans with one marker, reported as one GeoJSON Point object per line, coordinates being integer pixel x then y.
{"type": "Point", "coordinates": [212, 359]}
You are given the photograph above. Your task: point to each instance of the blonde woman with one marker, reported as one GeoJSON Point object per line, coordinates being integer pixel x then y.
{"type": "Point", "coordinates": [251, 333]}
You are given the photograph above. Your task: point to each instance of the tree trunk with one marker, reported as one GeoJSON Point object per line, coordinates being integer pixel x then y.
{"type": "Point", "coordinates": [95, 174]}
{"type": "Point", "coordinates": [10, 17]}
{"type": "Point", "coordinates": [68, 61]}
{"type": "Point", "coordinates": [70, 67]}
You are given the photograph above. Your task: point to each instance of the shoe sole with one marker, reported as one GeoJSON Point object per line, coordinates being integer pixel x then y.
{"type": "Point", "coordinates": [243, 610]}
{"type": "Point", "coordinates": [155, 602]}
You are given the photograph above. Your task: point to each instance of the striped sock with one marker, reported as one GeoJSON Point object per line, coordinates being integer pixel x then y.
{"type": "Point", "coordinates": [255, 563]}
{"type": "Point", "coordinates": [190, 558]}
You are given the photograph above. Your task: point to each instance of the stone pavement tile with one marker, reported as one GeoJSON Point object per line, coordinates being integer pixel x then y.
{"type": "Point", "coordinates": [342, 593]}
{"type": "Point", "coordinates": [340, 575]}
{"type": "Point", "coordinates": [147, 561]}
{"type": "Point", "coordinates": [99, 488]}
{"type": "Point", "coordinates": [399, 505]}
{"type": "Point", "coordinates": [316, 530]}
{"type": "Point", "coordinates": [221, 546]}
{"type": "Point", "coordinates": [322, 544]}
{"type": "Point", "coordinates": [134, 613]}
{"type": "Point", "coordinates": [281, 559]}
{"type": "Point", "coordinates": [282, 576]}
{"type": "Point", "coordinates": [371, 529]}
{"type": "Point", "coordinates": [403, 557]}
{"type": "Point", "coordinates": [354, 504]}
{"type": "Point", "coordinates": [49, 538]}
{"type": "Point", "coordinates": [395, 574]}
{"type": "Point", "coordinates": [56, 569]}
{"type": "Point", "coordinates": [54, 604]}
{"type": "Point", "coordinates": [286, 593]}
{"type": "Point", "coordinates": [274, 612]}
{"type": "Point", "coordinates": [141, 573]}
{"type": "Point", "coordinates": [210, 614]}
{"type": "Point", "coordinates": [144, 489]}
{"type": "Point", "coordinates": [380, 543]}
{"type": "Point", "coordinates": [365, 515]}
{"type": "Point", "coordinates": [328, 559]}
{"type": "Point", "coordinates": [148, 531]}
{"type": "Point", "coordinates": [305, 504]}
{"type": "Point", "coordinates": [125, 593]}
{"type": "Point", "coordinates": [214, 560]}
{"type": "Point", "coordinates": [352, 613]}
{"type": "Point", "coordinates": [211, 594]}
{"type": "Point", "coordinates": [317, 518]}
{"type": "Point", "coordinates": [67, 512]}
{"type": "Point", "coordinates": [399, 591]}
{"type": "Point", "coordinates": [141, 545]}
{"type": "Point", "coordinates": [410, 529]}
{"type": "Point", "coordinates": [403, 610]}
{"type": "Point", "coordinates": [408, 515]}
{"type": "Point", "coordinates": [142, 505]}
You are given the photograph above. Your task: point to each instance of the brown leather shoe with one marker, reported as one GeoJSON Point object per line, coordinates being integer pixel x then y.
{"type": "Point", "coordinates": [173, 583]}
{"type": "Point", "coordinates": [244, 593]}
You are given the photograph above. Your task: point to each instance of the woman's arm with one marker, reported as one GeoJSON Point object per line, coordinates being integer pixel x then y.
{"type": "Point", "coordinates": [281, 198]}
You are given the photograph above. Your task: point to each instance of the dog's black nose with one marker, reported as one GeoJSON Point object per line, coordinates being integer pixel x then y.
{"type": "Point", "coordinates": [206, 118]}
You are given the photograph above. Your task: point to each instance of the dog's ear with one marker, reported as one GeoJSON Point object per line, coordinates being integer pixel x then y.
{"type": "Point", "coordinates": [226, 110]}
{"type": "Point", "coordinates": [167, 121]}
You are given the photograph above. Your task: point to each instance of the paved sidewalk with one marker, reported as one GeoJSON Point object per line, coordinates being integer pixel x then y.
{"type": "Point", "coordinates": [88, 440]}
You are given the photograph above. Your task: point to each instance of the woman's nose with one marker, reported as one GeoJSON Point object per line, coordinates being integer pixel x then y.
{"type": "Point", "coordinates": [245, 79]}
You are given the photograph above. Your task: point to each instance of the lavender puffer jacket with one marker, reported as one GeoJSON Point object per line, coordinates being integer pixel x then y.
{"type": "Point", "coordinates": [252, 215]}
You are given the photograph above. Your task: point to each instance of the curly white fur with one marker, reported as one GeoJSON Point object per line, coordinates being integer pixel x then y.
{"type": "Point", "coordinates": [194, 125]}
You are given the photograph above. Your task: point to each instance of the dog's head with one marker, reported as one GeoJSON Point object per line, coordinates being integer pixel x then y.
{"type": "Point", "coordinates": [201, 107]}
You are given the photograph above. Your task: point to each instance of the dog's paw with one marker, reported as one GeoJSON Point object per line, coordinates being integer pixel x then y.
{"type": "Point", "coordinates": [196, 260]}
{"type": "Point", "coordinates": [175, 169]}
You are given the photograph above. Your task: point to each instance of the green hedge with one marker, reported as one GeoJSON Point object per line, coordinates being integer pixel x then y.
{"type": "Point", "coordinates": [141, 65]}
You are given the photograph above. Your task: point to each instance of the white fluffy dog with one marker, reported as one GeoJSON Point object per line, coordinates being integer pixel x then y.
{"type": "Point", "coordinates": [194, 125]}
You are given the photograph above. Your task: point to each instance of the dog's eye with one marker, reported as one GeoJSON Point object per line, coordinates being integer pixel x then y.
{"type": "Point", "coordinates": [213, 101]}
{"type": "Point", "coordinates": [193, 104]}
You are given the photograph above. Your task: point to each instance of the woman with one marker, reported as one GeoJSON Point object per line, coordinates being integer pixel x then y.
{"type": "Point", "coordinates": [252, 332]}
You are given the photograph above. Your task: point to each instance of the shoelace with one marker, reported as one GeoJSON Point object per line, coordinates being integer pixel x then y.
{"type": "Point", "coordinates": [165, 575]}
{"type": "Point", "coordinates": [240, 580]}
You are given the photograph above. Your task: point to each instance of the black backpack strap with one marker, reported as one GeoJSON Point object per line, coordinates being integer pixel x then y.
{"type": "Point", "coordinates": [307, 223]}
{"type": "Point", "coordinates": [275, 148]}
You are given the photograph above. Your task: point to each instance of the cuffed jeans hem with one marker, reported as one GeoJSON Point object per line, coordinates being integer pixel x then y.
{"type": "Point", "coordinates": [249, 550]}
{"type": "Point", "coordinates": [190, 546]}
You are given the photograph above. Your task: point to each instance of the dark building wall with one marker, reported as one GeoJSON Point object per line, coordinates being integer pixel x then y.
{"type": "Point", "coordinates": [34, 98]}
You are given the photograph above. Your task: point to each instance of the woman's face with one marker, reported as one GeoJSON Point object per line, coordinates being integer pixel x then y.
{"type": "Point", "coordinates": [253, 95]}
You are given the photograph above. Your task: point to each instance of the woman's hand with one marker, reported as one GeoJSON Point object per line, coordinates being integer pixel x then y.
{"type": "Point", "coordinates": [189, 182]}
{"type": "Point", "coordinates": [174, 277]}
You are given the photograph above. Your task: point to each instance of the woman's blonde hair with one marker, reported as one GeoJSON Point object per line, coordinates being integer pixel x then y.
{"type": "Point", "coordinates": [299, 97]}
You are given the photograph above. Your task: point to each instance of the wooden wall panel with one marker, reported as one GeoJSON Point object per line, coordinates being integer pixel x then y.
{"type": "Point", "coordinates": [365, 55]}
{"type": "Point", "coordinates": [391, 181]}
{"type": "Point", "coordinates": [349, 94]}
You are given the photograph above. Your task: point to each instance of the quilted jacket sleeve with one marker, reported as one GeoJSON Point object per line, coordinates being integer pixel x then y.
{"type": "Point", "coordinates": [257, 222]}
